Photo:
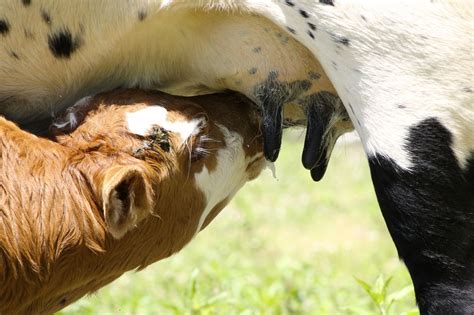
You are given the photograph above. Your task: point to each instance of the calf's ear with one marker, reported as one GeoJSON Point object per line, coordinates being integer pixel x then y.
{"type": "Point", "coordinates": [126, 199]}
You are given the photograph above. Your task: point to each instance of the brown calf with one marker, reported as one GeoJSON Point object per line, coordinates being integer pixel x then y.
{"type": "Point", "coordinates": [132, 184]}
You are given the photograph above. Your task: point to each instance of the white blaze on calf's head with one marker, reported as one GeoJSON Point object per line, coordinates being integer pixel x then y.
{"type": "Point", "coordinates": [142, 121]}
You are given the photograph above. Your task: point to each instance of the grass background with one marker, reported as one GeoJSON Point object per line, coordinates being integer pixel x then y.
{"type": "Point", "coordinates": [285, 246]}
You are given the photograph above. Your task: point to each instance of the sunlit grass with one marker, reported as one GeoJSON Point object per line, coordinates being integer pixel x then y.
{"type": "Point", "coordinates": [285, 246]}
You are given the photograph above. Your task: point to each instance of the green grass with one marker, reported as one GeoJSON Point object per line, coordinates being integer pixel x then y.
{"type": "Point", "coordinates": [286, 246]}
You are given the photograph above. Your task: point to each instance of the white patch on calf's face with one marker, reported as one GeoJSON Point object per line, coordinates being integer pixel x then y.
{"type": "Point", "coordinates": [228, 176]}
{"type": "Point", "coordinates": [142, 121]}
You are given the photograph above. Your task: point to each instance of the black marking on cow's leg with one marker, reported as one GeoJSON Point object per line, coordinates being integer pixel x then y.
{"type": "Point", "coordinates": [4, 27]}
{"type": "Point", "coordinates": [62, 44]}
{"type": "Point", "coordinates": [429, 211]}
{"type": "Point", "coordinates": [272, 95]}
{"type": "Point", "coordinates": [290, 3]}
{"type": "Point", "coordinates": [310, 34]}
{"type": "Point", "coordinates": [312, 26]}
{"type": "Point", "coordinates": [469, 171]}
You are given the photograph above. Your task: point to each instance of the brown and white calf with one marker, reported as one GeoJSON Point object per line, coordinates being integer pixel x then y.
{"type": "Point", "coordinates": [140, 176]}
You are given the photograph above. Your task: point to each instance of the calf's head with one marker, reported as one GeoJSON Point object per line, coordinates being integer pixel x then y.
{"type": "Point", "coordinates": [173, 158]}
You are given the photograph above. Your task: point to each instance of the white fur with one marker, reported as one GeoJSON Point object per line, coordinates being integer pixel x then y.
{"type": "Point", "coordinates": [142, 121]}
{"type": "Point", "coordinates": [229, 175]}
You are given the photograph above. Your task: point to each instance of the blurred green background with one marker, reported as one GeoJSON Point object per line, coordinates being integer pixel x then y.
{"type": "Point", "coordinates": [283, 246]}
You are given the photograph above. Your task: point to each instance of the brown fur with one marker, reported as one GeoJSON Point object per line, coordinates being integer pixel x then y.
{"type": "Point", "coordinates": [65, 225]}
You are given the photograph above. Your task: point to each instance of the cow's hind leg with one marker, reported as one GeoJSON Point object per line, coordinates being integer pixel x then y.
{"type": "Point", "coordinates": [429, 211]}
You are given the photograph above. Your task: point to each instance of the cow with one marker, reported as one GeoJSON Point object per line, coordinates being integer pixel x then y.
{"type": "Point", "coordinates": [130, 178]}
{"type": "Point", "coordinates": [399, 72]}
